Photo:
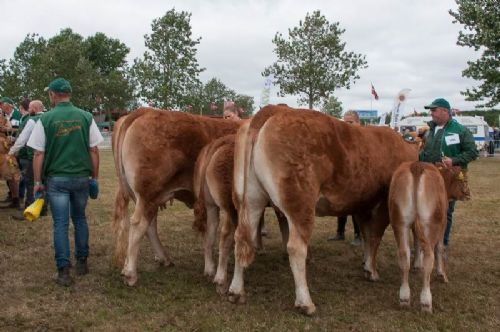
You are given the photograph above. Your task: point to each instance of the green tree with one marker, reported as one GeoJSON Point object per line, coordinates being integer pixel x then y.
{"type": "Point", "coordinates": [106, 54]}
{"type": "Point", "coordinates": [312, 61]}
{"type": "Point", "coordinates": [169, 69]}
{"type": "Point", "coordinates": [215, 92]}
{"type": "Point", "coordinates": [96, 68]}
{"type": "Point", "coordinates": [245, 104]}
{"type": "Point", "coordinates": [21, 74]}
{"type": "Point", "coordinates": [108, 57]}
{"type": "Point", "coordinates": [332, 106]}
{"type": "Point", "coordinates": [481, 20]}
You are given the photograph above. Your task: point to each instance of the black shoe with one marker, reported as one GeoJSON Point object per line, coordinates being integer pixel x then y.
{"type": "Point", "coordinates": [17, 216]}
{"type": "Point", "coordinates": [338, 237]}
{"type": "Point", "coordinates": [81, 266]}
{"type": "Point", "coordinates": [63, 277]}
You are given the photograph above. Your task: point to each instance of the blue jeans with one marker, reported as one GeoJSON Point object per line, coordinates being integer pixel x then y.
{"type": "Point", "coordinates": [68, 195]}
{"type": "Point", "coordinates": [449, 221]}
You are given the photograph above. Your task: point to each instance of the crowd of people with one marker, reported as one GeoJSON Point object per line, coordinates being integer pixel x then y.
{"type": "Point", "coordinates": [59, 159]}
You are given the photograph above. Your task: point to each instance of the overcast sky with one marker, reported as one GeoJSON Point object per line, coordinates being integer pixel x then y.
{"type": "Point", "coordinates": [407, 43]}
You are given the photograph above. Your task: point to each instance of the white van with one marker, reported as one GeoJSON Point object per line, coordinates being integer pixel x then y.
{"type": "Point", "coordinates": [476, 125]}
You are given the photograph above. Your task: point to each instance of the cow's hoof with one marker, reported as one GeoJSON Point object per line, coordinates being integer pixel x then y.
{"type": "Point", "coordinates": [443, 277]}
{"type": "Point", "coordinates": [130, 279]}
{"type": "Point", "coordinates": [162, 262]}
{"type": "Point", "coordinates": [426, 308]}
{"type": "Point", "coordinates": [237, 298]}
{"type": "Point", "coordinates": [307, 310]}
{"type": "Point", "coordinates": [370, 276]}
{"type": "Point", "coordinates": [404, 303]}
{"type": "Point", "coordinates": [209, 275]}
{"type": "Point", "coordinates": [221, 288]}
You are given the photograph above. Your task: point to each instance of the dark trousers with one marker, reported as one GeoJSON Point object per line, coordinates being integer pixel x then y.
{"type": "Point", "coordinates": [342, 221]}
{"type": "Point", "coordinates": [449, 221]}
{"type": "Point", "coordinates": [27, 173]}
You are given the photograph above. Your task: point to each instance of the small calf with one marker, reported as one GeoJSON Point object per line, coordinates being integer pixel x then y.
{"type": "Point", "coordinates": [418, 200]}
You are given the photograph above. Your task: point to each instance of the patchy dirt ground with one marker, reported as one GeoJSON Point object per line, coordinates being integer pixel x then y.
{"type": "Point", "coordinates": [180, 298]}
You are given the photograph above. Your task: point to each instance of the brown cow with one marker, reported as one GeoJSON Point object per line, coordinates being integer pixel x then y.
{"type": "Point", "coordinates": [155, 152]}
{"type": "Point", "coordinates": [9, 169]}
{"type": "Point", "coordinates": [213, 188]}
{"type": "Point", "coordinates": [418, 199]}
{"type": "Point", "coordinates": [213, 193]}
{"type": "Point", "coordinates": [296, 157]}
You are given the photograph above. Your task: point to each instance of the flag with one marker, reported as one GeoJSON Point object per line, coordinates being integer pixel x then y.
{"type": "Point", "coordinates": [374, 93]}
{"type": "Point", "coordinates": [399, 104]}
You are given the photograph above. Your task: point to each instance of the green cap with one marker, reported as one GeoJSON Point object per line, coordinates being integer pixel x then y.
{"type": "Point", "coordinates": [7, 100]}
{"type": "Point", "coordinates": [59, 85]}
{"type": "Point", "coordinates": [440, 102]}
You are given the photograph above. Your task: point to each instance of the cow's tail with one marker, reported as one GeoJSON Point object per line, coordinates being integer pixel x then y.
{"type": "Point", "coordinates": [121, 227]}
{"type": "Point", "coordinates": [120, 223]}
{"type": "Point", "coordinates": [244, 248]}
{"type": "Point", "coordinates": [419, 227]}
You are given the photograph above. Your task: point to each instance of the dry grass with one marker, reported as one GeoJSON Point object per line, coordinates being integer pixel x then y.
{"type": "Point", "coordinates": [179, 298]}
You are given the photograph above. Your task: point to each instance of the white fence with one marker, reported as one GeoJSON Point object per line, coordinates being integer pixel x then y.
{"type": "Point", "coordinates": [106, 144]}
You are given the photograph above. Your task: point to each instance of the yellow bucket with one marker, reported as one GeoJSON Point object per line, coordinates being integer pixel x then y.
{"type": "Point", "coordinates": [32, 212]}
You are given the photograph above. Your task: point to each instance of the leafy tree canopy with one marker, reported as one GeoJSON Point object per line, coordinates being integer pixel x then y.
{"type": "Point", "coordinates": [312, 61]}
{"type": "Point", "coordinates": [481, 21]}
{"type": "Point", "coordinates": [169, 70]}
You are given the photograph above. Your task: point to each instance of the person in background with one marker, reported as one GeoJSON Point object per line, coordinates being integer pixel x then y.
{"type": "Point", "coordinates": [351, 117]}
{"type": "Point", "coordinates": [23, 109]}
{"type": "Point", "coordinates": [13, 117]}
{"type": "Point", "coordinates": [65, 143]}
{"type": "Point", "coordinates": [449, 143]}
{"type": "Point", "coordinates": [11, 113]}
{"type": "Point", "coordinates": [25, 153]}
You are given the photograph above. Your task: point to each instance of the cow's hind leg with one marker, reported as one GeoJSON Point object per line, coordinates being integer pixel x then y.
{"type": "Point", "coordinates": [139, 224]}
{"type": "Point", "coordinates": [440, 265]}
{"type": "Point", "coordinates": [299, 235]}
{"type": "Point", "coordinates": [209, 239]}
{"type": "Point", "coordinates": [428, 264]}
{"type": "Point", "coordinates": [372, 230]}
{"type": "Point", "coordinates": [401, 233]}
{"type": "Point", "coordinates": [161, 255]}
{"type": "Point", "coordinates": [225, 244]}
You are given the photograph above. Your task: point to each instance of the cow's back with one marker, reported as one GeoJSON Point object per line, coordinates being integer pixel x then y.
{"type": "Point", "coordinates": [160, 148]}
{"type": "Point", "coordinates": [352, 165]}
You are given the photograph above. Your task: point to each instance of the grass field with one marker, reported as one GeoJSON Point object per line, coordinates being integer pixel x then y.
{"type": "Point", "coordinates": [180, 298]}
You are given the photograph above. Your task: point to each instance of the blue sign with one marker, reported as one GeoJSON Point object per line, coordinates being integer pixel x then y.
{"type": "Point", "coordinates": [367, 114]}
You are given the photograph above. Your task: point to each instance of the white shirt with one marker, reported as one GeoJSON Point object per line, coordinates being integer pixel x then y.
{"type": "Point", "coordinates": [23, 137]}
{"type": "Point", "coordinates": [437, 128]}
{"type": "Point", "coordinates": [37, 138]}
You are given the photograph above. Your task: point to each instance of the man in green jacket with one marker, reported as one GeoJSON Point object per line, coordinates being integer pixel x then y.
{"type": "Point", "coordinates": [449, 142]}
{"type": "Point", "coordinates": [65, 141]}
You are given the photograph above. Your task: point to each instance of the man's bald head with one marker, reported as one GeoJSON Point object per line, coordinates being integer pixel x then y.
{"type": "Point", "coordinates": [36, 106]}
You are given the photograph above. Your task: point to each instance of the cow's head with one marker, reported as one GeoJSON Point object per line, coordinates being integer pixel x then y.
{"type": "Point", "coordinates": [456, 182]}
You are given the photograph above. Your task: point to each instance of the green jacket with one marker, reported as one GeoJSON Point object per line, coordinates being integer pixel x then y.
{"type": "Point", "coordinates": [66, 130]}
{"type": "Point", "coordinates": [453, 141]}
{"type": "Point", "coordinates": [15, 118]}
